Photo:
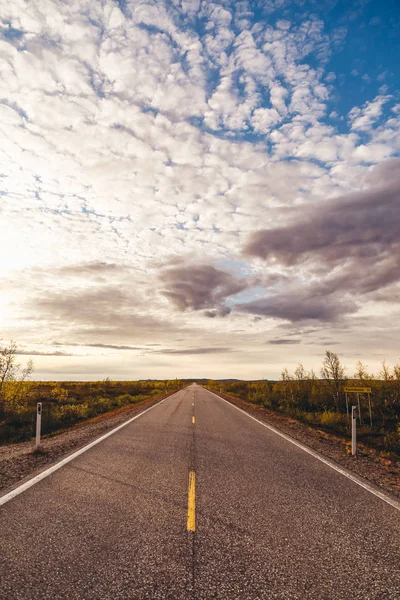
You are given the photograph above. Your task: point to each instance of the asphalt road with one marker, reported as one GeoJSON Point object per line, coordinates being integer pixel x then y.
{"type": "Point", "coordinates": [261, 519]}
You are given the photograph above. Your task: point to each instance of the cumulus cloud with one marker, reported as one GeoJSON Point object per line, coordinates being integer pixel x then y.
{"type": "Point", "coordinates": [363, 118]}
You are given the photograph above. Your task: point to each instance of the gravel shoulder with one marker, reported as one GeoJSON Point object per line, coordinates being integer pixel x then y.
{"type": "Point", "coordinates": [19, 462]}
{"type": "Point", "coordinates": [368, 463]}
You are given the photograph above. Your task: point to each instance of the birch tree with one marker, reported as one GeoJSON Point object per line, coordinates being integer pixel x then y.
{"type": "Point", "coordinates": [13, 378]}
{"type": "Point", "coordinates": [334, 374]}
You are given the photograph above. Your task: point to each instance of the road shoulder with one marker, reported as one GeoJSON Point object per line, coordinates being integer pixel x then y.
{"type": "Point", "coordinates": [378, 470]}
{"type": "Point", "coordinates": [18, 462]}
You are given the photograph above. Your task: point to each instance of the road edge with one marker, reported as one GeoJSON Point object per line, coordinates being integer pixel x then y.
{"type": "Point", "coordinates": [364, 483]}
{"type": "Point", "coordinates": [19, 489]}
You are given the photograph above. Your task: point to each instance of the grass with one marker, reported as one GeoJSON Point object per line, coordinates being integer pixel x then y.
{"type": "Point", "coordinates": [65, 404]}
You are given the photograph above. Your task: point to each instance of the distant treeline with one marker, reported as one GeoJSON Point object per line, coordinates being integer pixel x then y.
{"type": "Point", "coordinates": [320, 401]}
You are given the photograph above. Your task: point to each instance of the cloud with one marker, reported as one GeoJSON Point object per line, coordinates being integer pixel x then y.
{"type": "Point", "coordinates": [363, 118]}
{"type": "Point", "coordinates": [358, 228]}
{"type": "Point", "coordinates": [137, 131]}
{"type": "Point", "coordinates": [89, 306]}
{"type": "Point", "coordinates": [189, 351]}
{"type": "Point", "coordinates": [114, 347]}
{"type": "Point", "coordinates": [43, 353]}
{"type": "Point", "coordinates": [95, 316]}
{"type": "Point", "coordinates": [222, 311]}
{"type": "Point", "coordinates": [350, 248]}
{"type": "Point", "coordinates": [99, 345]}
{"type": "Point", "coordinates": [88, 269]}
{"type": "Point", "coordinates": [299, 305]}
{"type": "Point", "coordinates": [198, 287]}
{"type": "Point", "coordinates": [283, 341]}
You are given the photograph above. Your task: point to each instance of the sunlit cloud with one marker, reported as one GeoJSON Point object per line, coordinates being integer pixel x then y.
{"type": "Point", "coordinates": [198, 175]}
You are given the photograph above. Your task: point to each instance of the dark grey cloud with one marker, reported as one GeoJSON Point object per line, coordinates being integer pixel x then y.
{"type": "Point", "coordinates": [198, 287]}
{"type": "Point", "coordinates": [348, 247]}
{"type": "Point", "coordinates": [222, 311]}
{"type": "Point", "coordinates": [300, 306]}
{"type": "Point", "coordinates": [355, 231]}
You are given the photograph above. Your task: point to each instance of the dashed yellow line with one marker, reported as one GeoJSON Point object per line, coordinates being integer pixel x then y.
{"type": "Point", "coordinates": [193, 420]}
{"type": "Point", "coordinates": [191, 519]}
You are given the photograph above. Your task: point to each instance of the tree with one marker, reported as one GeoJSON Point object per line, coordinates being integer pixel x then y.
{"type": "Point", "coordinates": [361, 373]}
{"type": "Point", "coordinates": [333, 373]}
{"type": "Point", "coordinates": [305, 383]}
{"type": "Point", "coordinates": [390, 388]}
{"type": "Point", "coordinates": [288, 388]}
{"type": "Point", "coordinates": [362, 376]}
{"type": "Point", "coordinates": [12, 378]}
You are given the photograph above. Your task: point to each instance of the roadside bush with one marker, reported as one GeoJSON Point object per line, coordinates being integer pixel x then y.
{"type": "Point", "coordinates": [69, 413]}
{"type": "Point", "coordinates": [331, 419]}
{"type": "Point", "coordinates": [126, 399]}
{"type": "Point", "coordinates": [392, 441]}
{"type": "Point", "coordinates": [258, 393]}
{"type": "Point", "coordinates": [59, 394]}
{"type": "Point", "coordinates": [272, 401]}
{"type": "Point", "coordinates": [100, 405]}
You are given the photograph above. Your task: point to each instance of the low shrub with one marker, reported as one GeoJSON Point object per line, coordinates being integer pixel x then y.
{"type": "Point", "coordinates": [68, 402]}
{"type": "Point", "coordinates": [392, 441]}
{"type": "Point", "coordinates": [70, 413]}
{"type": "Point", "coordinates": [99, 405]}
{"type": "Point", "coordinates": [331, 420]}
{"type": "Point", "coordinates": [126, 399]}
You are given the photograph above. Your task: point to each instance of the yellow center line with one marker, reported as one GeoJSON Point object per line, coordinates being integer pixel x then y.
{"type": "Point", "coordinates": [193, 420]}
{"type": "Point", "coordinates": [192, 403]}
{"type": "Point", "coordinates": [191, 519]}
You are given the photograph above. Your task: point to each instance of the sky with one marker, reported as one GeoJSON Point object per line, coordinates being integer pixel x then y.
{"type": "Point", "coordinates": [199, 189]}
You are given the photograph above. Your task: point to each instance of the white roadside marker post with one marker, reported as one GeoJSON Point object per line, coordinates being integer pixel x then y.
{"type": "Point", "coordinates": [38, 424]}
{"type": "Point", "coordinates": [353, 430]}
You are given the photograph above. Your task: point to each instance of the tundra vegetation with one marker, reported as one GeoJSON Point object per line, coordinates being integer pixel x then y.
{"type": "Point", "coordinates": [64, 403]}
{"type": "Point", "coordinates": [320, 401]}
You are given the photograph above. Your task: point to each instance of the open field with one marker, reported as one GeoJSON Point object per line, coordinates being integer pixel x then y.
{"type": "Point", "coordinates": [67, 403]}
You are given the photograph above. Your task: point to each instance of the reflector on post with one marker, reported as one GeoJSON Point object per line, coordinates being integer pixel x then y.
{"type": "Point", "coordinates": [353, 430]}
{"type": "Point", "coordinates": [38, 424]}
